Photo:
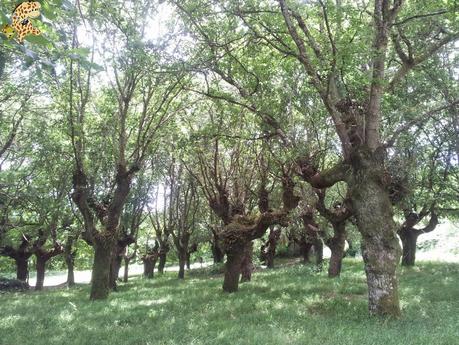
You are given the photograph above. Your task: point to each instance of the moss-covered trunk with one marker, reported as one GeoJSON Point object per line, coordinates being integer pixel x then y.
{"type": "Point", "coordinates": [234, 257]}
{"type": "Point", "coordinates": [100, 280]}
{"type": "Point", "coordinates": [380, 245]}
{"type": "Point", "coordinates": [409, 239]}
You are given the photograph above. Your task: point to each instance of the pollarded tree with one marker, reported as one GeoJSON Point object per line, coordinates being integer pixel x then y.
{"type": "Point", "coordinates": [268, 248]}
{"type": "Point", "coordinates": [128, 117]}
{"type": "Point", "coordinates": [354, 60]}
{"type": "Point", "coordinates": [225, 172]}
{"type": "Point", "coordinates": [134, 215]}
{"type": "Point", "coordinates": [337, 216]}
{"type": "Point", "coordinates": [184, 205]}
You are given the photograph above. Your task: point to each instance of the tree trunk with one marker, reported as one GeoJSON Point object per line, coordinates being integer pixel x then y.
{"type": "Point", "coordinates": [162, 262]}
{"type": "Point", "coordinates": [234, 257]}
{"type": "Point", "coordinates": [40, 266]}
{"type": "Point", "coordinates": [70, 273]}
{"type": "Point", "coordinates": [217, 253]}
{"type": "Point", "coordinates": [22, 268]}
{"type": "Point", "coordinates": [270, 257]}
{"type": "Point", "coordinates": [70, 262]}
{"type": "Point", "coordinates": [115, 270]}
{"type": "Point", "coordinates": [380, 245]}
{"type": "Point", "coordinates": [409, 239]}
{"type": "Point", "coordinates": [305, 248]}
{"type": "Point", "coordinates": [270, 247]}
{"type": "Point", "coordinates": [319, 252]}
{"type": "Point", "coordinates": [188, 261]}
{"type": "Point", "coordinates": [69, 258]}
{"type": "Point", "coordinates": [182, 262]}
{"type": "Point", "coordinates": [246, 263]}
{"type": "Point", "coordinates": [100, 280]}
{"type": "Point", "coordinates": [149, 263]}
{"type": "Point", "coordinates": [337, 244]}
{"type": "Point", "coordinates": [126, 269]}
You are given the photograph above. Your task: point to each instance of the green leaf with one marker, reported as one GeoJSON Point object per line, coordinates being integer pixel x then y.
{"type": "Point", "coordinates": [48, 12]}
{"type": "Point", "coordinates": [37, 40]}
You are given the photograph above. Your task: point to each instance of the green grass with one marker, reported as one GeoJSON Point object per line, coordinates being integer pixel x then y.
{"type": "Point", "coordinates": [291, 305]}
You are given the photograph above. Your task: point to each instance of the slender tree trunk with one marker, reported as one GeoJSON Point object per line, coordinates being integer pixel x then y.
{"type": "Point", "coordinates": [409, 240]}
{"type": "Point", "coordinates": [70, 262]}
{"type": "Point", "coordinates": [319, 252]}
{"type": "Point", "coordinates": [100, 281]}
{"type": "Point", "coordinates": [247, 263]}
{"type": "Point", "coordinates": [337, 244]}
{"type": "Point", "coordinates": [234, 257]}
{"type": "Point", "coordinates": [380, 245]}
{"type": "Point", "coordinates": [69, 258]}
{"type": "Point", "coordinates": [270, 246]}
{"type": "Point", "coordinates": [71, 272]}
{"type": "Point", "coordinates": [127, 260]}
{"type": "Point", "coordinates": [115, 270]}
{"type": "Point", "coordinates": [182, 262]}
{"type": "Point", "coordinates": [270, 258]}
{"type": "Point", "coordinates": [40, 266]}
{"type": "Point", "coordinates": [305, 248]}
{"type": "Point", "coordinates": [22, 267]}
{"type": "Point", "coordinates": [188, 261]}
{"type": "Point", "coordinates": [162, 262]}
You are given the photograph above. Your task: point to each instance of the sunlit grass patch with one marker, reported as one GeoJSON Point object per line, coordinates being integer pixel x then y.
{"type": "Point", "coordinates": [290, 305]}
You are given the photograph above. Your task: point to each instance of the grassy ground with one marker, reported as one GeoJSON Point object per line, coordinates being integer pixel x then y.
{"type": "Point", "coordinates": [290, 305]}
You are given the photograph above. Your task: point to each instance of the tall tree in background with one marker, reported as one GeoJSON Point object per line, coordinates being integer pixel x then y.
{"type": "Point", "coordinates": [137, 105]}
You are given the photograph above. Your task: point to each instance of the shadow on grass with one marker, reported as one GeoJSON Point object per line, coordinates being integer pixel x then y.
{"type": "Point", "coordinates": [293, 305]}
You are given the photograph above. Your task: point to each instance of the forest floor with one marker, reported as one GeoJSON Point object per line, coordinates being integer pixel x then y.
{"type": "Point", "coordinates": [288, 305]}
{"type": "Point", "coordinates": [59, 278]}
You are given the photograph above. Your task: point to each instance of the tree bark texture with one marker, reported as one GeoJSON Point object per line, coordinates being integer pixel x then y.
{"type": "Point", "coordinates": [182, 263]}
{"type": "Point", "coordinates": [380, 246]}
{"type": "Point", "coordinates": [163, 250]}
{"type": "Point", "coordinates": [22, 267]}
{"type": "Point", "coordinates": [100, 280]}
{"type": "Point", "coordinates": [234, 256]}
{"type": "Point", "coordinates": [336, 245]}
{"type": "Point", "coordinates": [247, 263]}
{"type": "Point", "coordinates": [149, 263]}
{"type": "Point", "coordinates": [409, 240]}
